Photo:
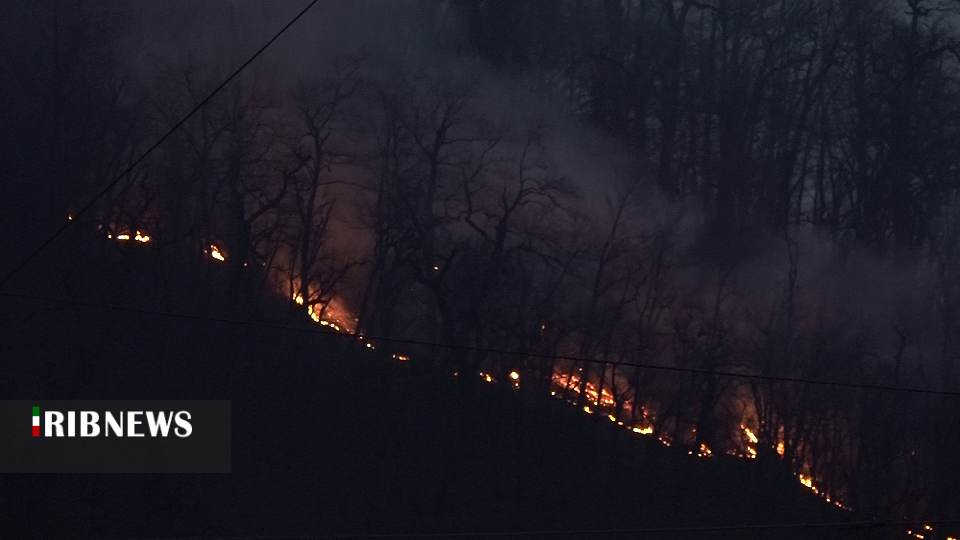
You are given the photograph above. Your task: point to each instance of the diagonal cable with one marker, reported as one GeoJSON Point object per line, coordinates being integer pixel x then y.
{"type": "Point", "coordinates": [471, 348]}
{"type": "Point", "coordinates": [143, 156]}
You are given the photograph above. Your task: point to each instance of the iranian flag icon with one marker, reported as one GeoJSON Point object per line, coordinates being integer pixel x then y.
{"type": "Point", "coordinates": [36, 421]}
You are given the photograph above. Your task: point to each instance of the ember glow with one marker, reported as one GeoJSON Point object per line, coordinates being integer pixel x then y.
{"type": "Point", "coordinates": [333, 315]}
{"type": "Point", "coordinates": [139, 237]}
{"type": "Point", "coordinates": [566, 384]}
{"type": "Point", "coordinates": [571, 383]}
{"type": "Point", "coordinates": [748, 449]}
{"type": "Point", "coordinates": [123, 233]}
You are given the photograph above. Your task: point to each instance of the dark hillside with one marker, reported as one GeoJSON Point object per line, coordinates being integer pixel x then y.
{"type": "Point", "coordinates": [331, 438]}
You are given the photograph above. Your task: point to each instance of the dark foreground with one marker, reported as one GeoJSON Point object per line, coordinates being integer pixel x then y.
{"type": "Point", "coordinates": [330, 438]}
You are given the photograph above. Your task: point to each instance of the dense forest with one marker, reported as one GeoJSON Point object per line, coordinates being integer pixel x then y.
{"type": "Point", "coordinates": [675, 213]}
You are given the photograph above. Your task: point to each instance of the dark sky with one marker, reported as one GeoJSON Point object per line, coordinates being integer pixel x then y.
{"type": "Point", "coordinates": [228, 30]}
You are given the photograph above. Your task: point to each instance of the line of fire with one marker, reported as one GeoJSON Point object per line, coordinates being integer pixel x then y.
{"type": "Point", "coordinates": [544, 268]}
{"type": "Point", "coordinates": [605, 389]}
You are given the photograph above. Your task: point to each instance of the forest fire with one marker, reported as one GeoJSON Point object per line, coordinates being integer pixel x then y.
{"type": "Point", "coordinates": [138, 237]}
{"type": "Point", "coordinates": [333, 314]}
{"type": "Point", "coordinates": [125, 234]}
{"type": "Point", "coordinates": [808, 482]}
{"type": "Point", "coordinates": [753, 438]}
{"type": "Point", "coordinates": [747, 449]}
{"type": "Point", "coordinates": [216, 254]}
{"type": "Point", "coordinates": [571, 382]}
{"type": "Point", "coordinates": [742, 245]}
{"type": "Point", "coordinates": [928, 529]}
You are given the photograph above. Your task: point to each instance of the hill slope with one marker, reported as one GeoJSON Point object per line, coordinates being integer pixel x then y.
{"type": "Point", "coordinates": [331, 438]}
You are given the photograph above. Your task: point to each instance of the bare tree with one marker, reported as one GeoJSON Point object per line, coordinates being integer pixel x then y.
{"type": "Point", "coordinates": [315, 267]}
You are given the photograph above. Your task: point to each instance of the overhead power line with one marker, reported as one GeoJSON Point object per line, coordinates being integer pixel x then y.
{"type": "Point", "coordinates": [160, 141]}
{"type": "Point", "coordinates": [579, 533]}
{"type": "Point", "coordinates": [469, 348]}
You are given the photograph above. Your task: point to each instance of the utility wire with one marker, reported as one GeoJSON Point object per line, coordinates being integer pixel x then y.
{"type": "Point", "coordinates": [267, 324]}
{"type": "Point", "coordinates": [200, 105]}
{"type": "Point", "coordinates": [469, 348]}
{"type": "Point", "coordinates": [585, 532]}
{"type": "Point", "coordinates": [871, 524]}
{"type": "Point", "coordinates": [143, 156]}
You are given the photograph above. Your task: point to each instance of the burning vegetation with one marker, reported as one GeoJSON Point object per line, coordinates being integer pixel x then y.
{"type": "Point", "coordinates": [765, 268]}
{"type": "Point", "coordinates": [565, 385]}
